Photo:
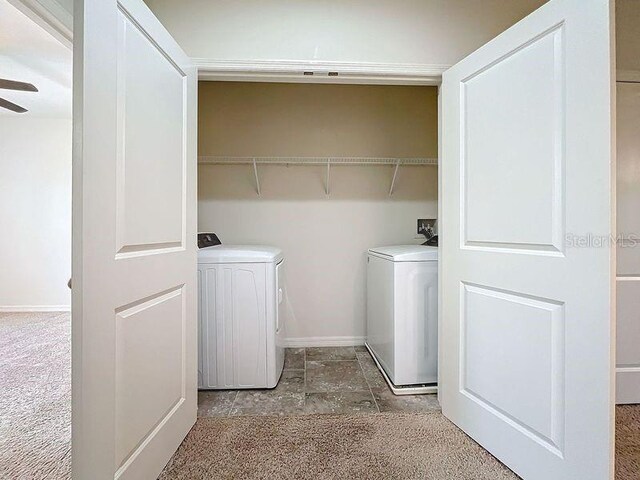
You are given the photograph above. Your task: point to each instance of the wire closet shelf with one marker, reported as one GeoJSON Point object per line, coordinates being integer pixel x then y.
{"type": "Point", "coordinates": [325, 161]}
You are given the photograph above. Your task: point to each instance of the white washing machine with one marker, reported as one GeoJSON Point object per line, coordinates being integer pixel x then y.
{"type": "Point", "coordinates": [402, 315]}
{"type": "Point", "coordinates": [239, 310]}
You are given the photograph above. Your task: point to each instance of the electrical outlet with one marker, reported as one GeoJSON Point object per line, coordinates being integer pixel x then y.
{"type": "Point", "coordinates": [425, 223]}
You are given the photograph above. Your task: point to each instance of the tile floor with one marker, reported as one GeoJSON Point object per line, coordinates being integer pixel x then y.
{"type": "Point", "coordinates": [318, 380]}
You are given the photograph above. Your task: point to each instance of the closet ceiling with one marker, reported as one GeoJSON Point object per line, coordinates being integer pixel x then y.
{"type": "Point", "coordinates": [29, 54]}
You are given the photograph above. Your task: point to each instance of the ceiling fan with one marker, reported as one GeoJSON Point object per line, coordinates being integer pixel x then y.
{"type": "Point", "coordinates": [13, 85]}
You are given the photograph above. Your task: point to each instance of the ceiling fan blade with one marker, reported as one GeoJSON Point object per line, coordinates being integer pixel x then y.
{"type": "Point", "coordinates": [11, 106]}
{"type": "Point", "coordinates": [13, 85]}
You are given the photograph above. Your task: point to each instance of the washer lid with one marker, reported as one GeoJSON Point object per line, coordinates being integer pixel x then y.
{"type": "Point", "coordinates": [406, 253]}
{"type": "Point", "coordinates": [239, 254]}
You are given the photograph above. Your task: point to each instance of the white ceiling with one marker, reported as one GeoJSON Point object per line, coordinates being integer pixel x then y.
{"type": "Point", "coordinates": [29, 54]}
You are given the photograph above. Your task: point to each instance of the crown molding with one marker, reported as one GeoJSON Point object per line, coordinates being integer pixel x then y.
{"type": "Point", "coordinates": [51, 16]}
{"type": "Point", "coordinates": [323, 72]}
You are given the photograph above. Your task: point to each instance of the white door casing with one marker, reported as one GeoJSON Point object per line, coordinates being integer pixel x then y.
{"type": "Point", "coordinates": [527, 199]}
{"type": "Point", "coordinates": [134, 242]}
{"type": "Point", "coordinates": [628, 205]}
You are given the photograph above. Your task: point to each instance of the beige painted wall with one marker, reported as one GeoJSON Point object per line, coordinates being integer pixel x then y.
{"type": "Point", "coordinates": [280, 119]}
{"type": "Point", "coordinates": [385, 31]}
{"type": "Point", "coordinates": [324, 239]}
{"type": "Point", "coordinates": [628, 35]}
{"type": "Point", "coordinates": [35, 212]}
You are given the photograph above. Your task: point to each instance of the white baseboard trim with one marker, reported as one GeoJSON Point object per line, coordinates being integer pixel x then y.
{"type": "Point", "coordinates": [627, 385]}
{"type": "Point", "coordinates": [324, 342]}
{"type": "Point", "coordinates": [34, 308]}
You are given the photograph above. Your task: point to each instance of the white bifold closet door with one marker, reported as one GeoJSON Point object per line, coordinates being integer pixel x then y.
{"type": "Point", "coordinates": [527, 274]}
{"type": "Point", "coordinates": [134, 242]}
{"type": "Point", "coordinates": [628, 192]}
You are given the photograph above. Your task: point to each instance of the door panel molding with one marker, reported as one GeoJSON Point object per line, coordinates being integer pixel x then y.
{"type": "Point", "coordinates": [546, 386]}
{"type": "Point", "coordinates": [502, 201]}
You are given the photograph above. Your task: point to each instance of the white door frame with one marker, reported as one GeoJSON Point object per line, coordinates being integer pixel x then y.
{"type": "Point", "coordinates": [297, 71]}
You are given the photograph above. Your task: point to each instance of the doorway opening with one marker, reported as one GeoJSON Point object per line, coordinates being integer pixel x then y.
{"type": "Point", "coordinates": [35, 300]}
{"type": "Point", "coordinates": [323, 172]}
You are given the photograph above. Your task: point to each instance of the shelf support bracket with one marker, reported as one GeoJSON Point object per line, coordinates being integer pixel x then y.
{"type": "Point", "coordinates": [255, 173]}
{"type": "Point", "coordinates": [327, 189]}
{"type": "Point", "coordinates": [393, 180]}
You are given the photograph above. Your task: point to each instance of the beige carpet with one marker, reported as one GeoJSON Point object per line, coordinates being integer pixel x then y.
{"type": "Point", "coordinates": [379, 446]}
{"type": "Point", "coordinates": [35, 429]}
{"type": "Point", "coordinates": [35, 396]}
{"type": "Point", "coordinates": [628, 442]}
